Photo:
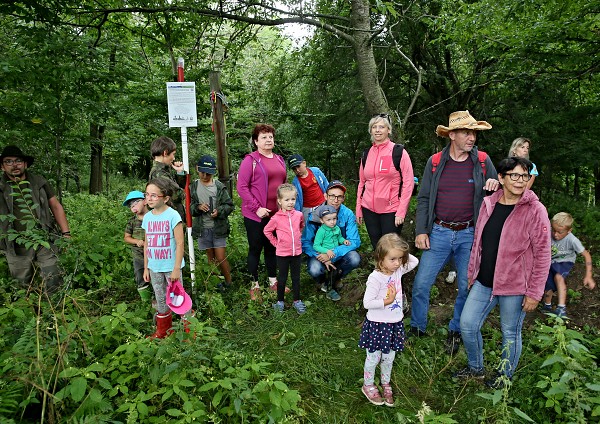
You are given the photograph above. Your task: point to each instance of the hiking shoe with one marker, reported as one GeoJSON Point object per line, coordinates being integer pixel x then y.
{"type": "Point", "coordinates": [273, 288]}
{"type": "Point", "coordinates": [255, 293]}
{"type": "Point", "coordinates": [372, 393]}
{"type": "Point", "coordinates": [451, 277]}
{"type": "Point", "coordinates": [452, 342]}
{"type": "Point", "coordinates": [560, 311]}
{"type": "Point", "coordinates": [278, 306]}
{"type": "Point", "coordinates": [324, 287]}
{"type": "Point", "coordinates": [299, 306]}
{"type": "Point", "coordinates": [333, 295]}
{"type": "Point", "coordinates": [388, 396]}
{"type": "Point", "coordinates": [468, 372]}
{"type": "Point", "coordinates": [546, 308]}
{"type": "Point", "coordinates": [499, 382]}
{"type": "Point", "coordinates": [221, 288]}
{"type": "Point", "coordinates": [416, 332]}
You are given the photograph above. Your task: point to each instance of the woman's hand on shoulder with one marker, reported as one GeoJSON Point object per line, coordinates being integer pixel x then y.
{"type": "Point", "coordinates": [263, 212]}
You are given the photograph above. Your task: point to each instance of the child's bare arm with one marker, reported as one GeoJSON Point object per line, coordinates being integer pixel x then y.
{"type": "Point", "coordinates": [588, 280]}
{"type": "Point", "coordinates": [130, 240]}
{"type": "Point", "coordinates": [179, 246]}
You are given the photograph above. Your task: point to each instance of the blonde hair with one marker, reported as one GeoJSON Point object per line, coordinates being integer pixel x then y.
{"type": "Point", "coordinates": [386, 244]}
{"type": "Point", "coordinates": [386, 120]}
{"type": "Point", "coordinates": [563, 219]}
{"type": "Point", "coordinates": [518, 142]}
{"type": "Point", "coordinates": [283, 188]}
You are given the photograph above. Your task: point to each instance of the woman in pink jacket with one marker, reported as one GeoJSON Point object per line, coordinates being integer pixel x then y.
{"type": "Point", "coordinates": [261, 172]}
{"type": "Point", "coordinates": [284, 231]}
{"type": "Point", "coordinates": [383, 191]}
{"type": "Point", "coordinates": [508, 267]}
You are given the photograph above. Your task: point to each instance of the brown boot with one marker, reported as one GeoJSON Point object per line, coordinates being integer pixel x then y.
{"type": "Point", "coordinates": [163, 326]}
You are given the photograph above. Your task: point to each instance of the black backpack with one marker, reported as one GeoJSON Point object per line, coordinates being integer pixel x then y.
{"type": "Point", "coordinates": [396, 156]}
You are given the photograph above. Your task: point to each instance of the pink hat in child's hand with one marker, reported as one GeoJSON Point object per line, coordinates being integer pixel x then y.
{"type": "Point", "coordinates": [177, 299]}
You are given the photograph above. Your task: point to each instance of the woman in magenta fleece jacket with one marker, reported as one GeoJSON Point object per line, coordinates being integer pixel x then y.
{"type": "Point", "coordinates": [261, 172]}
{"type": "Point", "coordinates": [379, 200]}
{"type": "Point", "coordinates": [508, 267]}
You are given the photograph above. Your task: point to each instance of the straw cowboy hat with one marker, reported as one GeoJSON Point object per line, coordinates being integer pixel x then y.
{"type": "Point", "coordinates": [461, 120]}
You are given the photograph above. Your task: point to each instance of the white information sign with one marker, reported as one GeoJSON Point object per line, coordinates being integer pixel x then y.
{"type": "Point", "coordinates": [181, 98]}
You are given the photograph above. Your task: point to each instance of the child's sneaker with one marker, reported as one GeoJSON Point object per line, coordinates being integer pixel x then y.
{"type": "Point", "coordinates": [273, 288]}
{"type": "Point", "coordinates": [451, 277]}
{"type": "Point", "coordinates": [546, 308]}
{"type": "Point", "coordinates": [333, 295]}
{"type": "Point", "coordinates": [388, 396]}
{"type": "Point", "coordinates": [255, 293]}
{"type": "Point", "coordinates": [299, 306]}
{"type": "Point", "coordinates": [372, 393]}
{"type": "Point", "coordinates": [560, 311]}
{"type": "Point", "coordinates": [278, 306]}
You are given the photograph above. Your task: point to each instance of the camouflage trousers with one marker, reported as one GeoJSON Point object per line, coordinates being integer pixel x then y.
{"type": "Point", "coordinates": [27, 262]}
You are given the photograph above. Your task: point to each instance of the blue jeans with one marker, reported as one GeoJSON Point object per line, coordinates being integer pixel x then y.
{"type": "Point", "coordinates": [444, 244]}
{"type": "Point", "coordinates": [479, 304]}
{"type": "Point", "coordinates": [346, 263]}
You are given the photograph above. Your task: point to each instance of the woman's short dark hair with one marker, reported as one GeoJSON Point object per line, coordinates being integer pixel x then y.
{"type": "Point", "coordinates": [262, 128]}
{"type": "Point", "coordinates": [508, 164]}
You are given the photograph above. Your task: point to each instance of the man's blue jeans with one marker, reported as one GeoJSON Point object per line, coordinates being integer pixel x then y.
{"type": "Point", "coordinates": [346, 263]}
{"type": "Point", "coordinates": [444, 243]}
{"type": "Point", "coordinates": [479, 304]}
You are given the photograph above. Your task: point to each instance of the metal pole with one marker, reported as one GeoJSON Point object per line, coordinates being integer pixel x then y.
{"type": "Point", "coordinates": [186, 167]}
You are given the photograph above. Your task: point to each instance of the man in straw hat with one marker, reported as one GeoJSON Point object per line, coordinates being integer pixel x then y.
{"type": "Point", "coordinates": [452, 190]}
{"type": "Point", "coordinates": [47, 212]}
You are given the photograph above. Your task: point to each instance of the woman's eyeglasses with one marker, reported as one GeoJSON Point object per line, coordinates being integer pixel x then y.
{"type": "Point", "coordinates": [514, 176]}
{"type": "Point", "coordinates": [152, 196]}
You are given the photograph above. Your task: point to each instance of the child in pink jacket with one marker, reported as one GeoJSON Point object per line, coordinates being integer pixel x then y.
{"type": "Point", "coordinates": [284, 231]}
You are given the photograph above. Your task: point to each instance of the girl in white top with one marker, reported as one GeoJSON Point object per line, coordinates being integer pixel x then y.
{"type": "Point", "coordinates": [383, 332]}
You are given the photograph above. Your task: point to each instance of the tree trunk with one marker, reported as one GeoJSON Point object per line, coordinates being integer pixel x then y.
{"type": "Point", "coordinates": [96, 135]}
{"type": "Point", "coordinates": [576, 188]}
{"type": "Point", "coordinates": [365, 58]}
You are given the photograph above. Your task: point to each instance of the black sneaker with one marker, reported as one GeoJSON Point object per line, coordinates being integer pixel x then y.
{"type": "Point", "coordinates": [453, 342]}
{"type": "Point", "coordinates": [468, 372]}
{"type": "Point", "coordinates": [499, 382]}
{"type": "Point", "coordinates": [416, 332]}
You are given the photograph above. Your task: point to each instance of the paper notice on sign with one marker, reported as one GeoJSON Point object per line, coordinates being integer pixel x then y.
{"type": "Point", "coordinates": [181, 98]}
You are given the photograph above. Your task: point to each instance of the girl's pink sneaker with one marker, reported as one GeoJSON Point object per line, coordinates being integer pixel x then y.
{"type": "Point", "coordinates": [372, 393]}
{"type": "Point", "coordinates": [388, 396]}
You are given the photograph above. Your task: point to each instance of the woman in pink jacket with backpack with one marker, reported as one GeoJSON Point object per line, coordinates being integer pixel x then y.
{"type": "Point", "coordinates": [284, 231]}
{"type": "Point", "coordinates": [386, 182]}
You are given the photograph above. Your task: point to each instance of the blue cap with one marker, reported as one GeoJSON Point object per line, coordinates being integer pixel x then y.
{"type": "Point", "coordinates": [207, 164]}
{"type": "Point", "coordinates": [133, 195]}
{"type": "Point", "coordinates": [295, 160]}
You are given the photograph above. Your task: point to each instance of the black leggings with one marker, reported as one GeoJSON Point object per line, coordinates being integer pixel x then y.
{"type": "Point", "coordinates": [292, 263]}
{"type": "Point", "coordinates": [257, 241]}
{"type": "Point", "coordinates": [379, 224]}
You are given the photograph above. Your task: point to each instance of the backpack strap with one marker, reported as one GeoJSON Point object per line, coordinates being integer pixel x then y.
{"type": "Point", "coordinates": [397, 155]}
{"type": "Point", "coordinates": [435, 161]}
{"type": "Point", "coordinates": [481, 157]}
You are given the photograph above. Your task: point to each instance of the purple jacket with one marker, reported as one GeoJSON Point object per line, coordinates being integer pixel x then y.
{"type": "Point", "coordinates": [524, 250]}
{"type": "Point", "coordinates": [252, 184]}
{"type": "Point", "coordinates": [288, 227]}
